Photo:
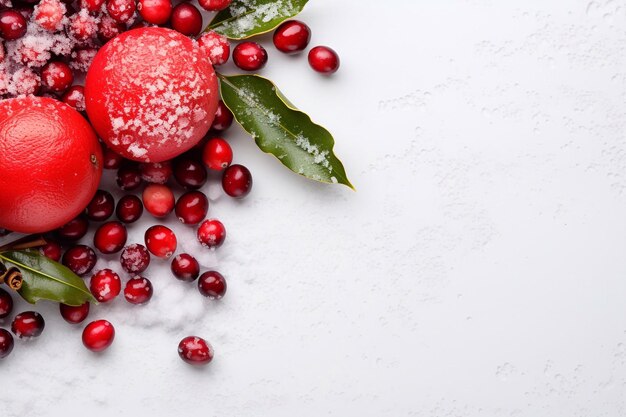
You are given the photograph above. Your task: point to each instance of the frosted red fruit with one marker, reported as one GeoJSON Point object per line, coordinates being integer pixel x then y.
{"type": "Point", "coordinates": [105, 285]}
{"type": "Point", "coordinates": [108, 28]}
{"type": "Point", "coordinates": [195, 350]}
{"type": "Point", "coordinates": [12, 25]}
{"type": "Point", "coordinates": [135, 258]}
{"type": "Point", "coordinates": [57, 76]}
{"type": "Point", "coordinates": [49, 14]}
{"type": "Point", "coordinates": [138, 290]}
{"type": "Point", "coordinates": [121, 10]}
{"type": "Point", "coordinates": [214, 5]}
{"type": "Point", "coordinates": [26, 82]}
{"type": "Point", "coordinates": [156, 172]}
{"type": "Point", "coordinates": [83, 26]}
{"type": "Point", "coordinates": [151, 104]}
{"type": "Point", "coordinates": [91, 5]}
{"type": "Point", "coordinates": [216, 47]}
{"type": "Point", "coordinates": [82, 58]}
{"type": "Point", "coordinates": [211, 233]}
{"type": "Point", "coordinates": [75, 97]}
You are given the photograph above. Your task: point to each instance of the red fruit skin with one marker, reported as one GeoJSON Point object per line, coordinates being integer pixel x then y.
{"type": "Point", "coordinates": [250, 56]}
{"type": "Point", "coordinates": [292, 37]}
{"type": "Point", "coordinates": [185, 267]}
{"type": "Point", "coordinates": [217, 154]}
{"type": "Point", "coordinates": [237, 181]}
{"type": "Point", "coordinates": [186, 19]}
{"type": "Point", "coordinates": [214, 5]}
{"type": "Point", "coordinates": [6, 303]}
{"type": "Point", "coordinates": [40, 191]}
{"type": "Point", "coordinates": [195, 350]}
{"type": "Point", "coordinates": [110, 237]}
{"type": "Point", "coordinates": [52, 250]}
{"type": "Point", "coordinates": [74, 314]}
{"type": "Point", "coordinates": [211, 233]}
{"type": "Point", "coordinates": [324, 60]}
{"type": "Point", "coordinates": [28, 324]}
{"type": "Point", "coordinates": [156, 12]}
{"type": "Point", "coordinates": [158, 200]}
{"type": "Point", "coordinates": [170, 87]}
{"type": "Point", "coordinates": [105, 285]}
{"type": "Point", "coordinates": [138, 290]}
{"type": "Point", "coordinates": [223, 118]}
{"type": "Point", "coordinates": [98, 335]}
{"type": "Point", "coordinates": [192, 207]}
{"type": "Point", "coordinates": [161, 241]}
{"type": "Point", "coordinates": [212, 285]}
{"type": "Point", "coordinates": [6, 343]}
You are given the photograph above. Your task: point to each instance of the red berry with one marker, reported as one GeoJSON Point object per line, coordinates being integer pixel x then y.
{"type": "Point", "coordinates": [190, 173]}
{"type": "Point", "coordinates": [158, 200]}
{"type": "Point", "coordinates": [82, 58]}
{"type": "Point", "coordinates": [121, 10]}
{"type": "Point", "coordinates": [192, 207]}
{"type": "Point", "coordinates": [211, 233]}
{"type": "Point", "coordinates": [26, 81]}
{"type": "Point", "coordinates": [101, 206]}
{"type": "Point", "coordinates": [217, 154]}
{"type": "Point", "coordinates": [135, 258]}
{"type": "Point", "coordinates": [185, 267]}
{"type": "Point", "coordinates": [91, 5]}
{"type": "Point", "coordinates": [98, 335]}
{"type": "Point", "coordinates": [216, 47]}
{"type": "Point", "coordinates": [73, 230]}
{"type": "Point", "coordinates": [160, 241]}
{"type": "Point", "coordinates": [111, 159]}
{"type": "Point", "coordinates": [129, 209]}
{"type": "Point", "coordinates": [156, 172]}
{"type": "Point", "coordinates": [12, 25]}
{"type": "Point", "coordinates": [52, 250]}
{"type": "Point", "coordinates": [129, 177]}
{"type": "Point", "coordinates": [109, 28]}
{"type": "Point", "coordinates": [323, 59]}
{"type": "Point", "coordinates": [6, 303]}
{"type": "Point", "coordinates": [156, 12]}
{"type": "Point", "coordinates": [49, 14]}
{"type": "Point", "coordinates": [6, 343]}
{"type": "Point", "coordinates": [80, 259]}
{"type": "Point", "coordinates": [195, 350]}
{"type": "Point", "coordinates": [250, 56]}
{"type": "Point", "coordinates": [212, 284]}
{"type": "Point", "coordinates": [105, 285]}
{"type": "Point", "coordinates": [292, 37]}
{"type": "Point", "coordinates": [110, 237]}
{"type": "Point", "coordinates": [74, 314]}
{"type": "Point", "coordinates": [28, 324]}
{"type": "Point", "coordinates": [138, 290]}
{"type": "Point", "coordinates": [82, 26]}
{"type": "Point", "coordinates": [214, 5]}
{"type": "Point", "coordinates": [75, 97]}
{"type": "Point", "coordinates": [223, 118]}
{"type": "Point", "coordinates": [186, 19]}
{"type": "Point", "coordinates": [237, 181]}
{"type": "Point", "coordinates": [57, 76]}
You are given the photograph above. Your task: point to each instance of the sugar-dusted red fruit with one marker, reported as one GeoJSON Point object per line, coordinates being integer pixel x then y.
{"type": "Point", "coordinates": [129, 177]}
{"type": "Point", "coordinates": [192, 207]}
{"type": "Point", "coordinates": [216, 47]}
{"type": "Point", "coordinates": [75, 97]}
{"type": "Point", "coordinates": [6, 303]}
{"type": "Point", "coordinates": [189, 173]}
{"type": "Point", "coordinates": [49, 14]}
{"type": "Point", "coordinates": [105, 285]}
{"type": "Point", "coordinates": [186, 19]}
{"type": "Point", "coordinates": [195, 350]}
{"type": "Point", "coordinates": [91, 5]}
{"type": "Point", "coordinates": [185, 267]}
{"type": "Point", "coordinates": [80, 259]}
{"type": "Point", "coordinates": [324, 60]}
{"type": "Point", "coordinates": [237, 181]}
{"type": "Point", "coordinates": [121, 10]}
{"type": "Point", "coordinates": [158, 200]}
{"type": "Point", "coordinates": [81, 58]}
{"type": "Point", "coordinates": [211, 233]}
{"type": "Point", "coordinates": [53, 167]}
{"type": "Point", "coordinates": [156, 172]}
{"type": "Point", "coordinates": [135, 258]}
{"type": "Point", "coordinates": [292, 37]}
{"type": "Point", "coordinates": [161, 241]}
{"type": "Point", "coordinates": [6, 343]}
{"type": "Point", "coordinates": [26, 81]}
{"type": "Point", "coordinates": [155, 115]}
{"type": "Point", "coordinates": [73, 230]}
{"type": "Point", "coordinates": [74, 314]}
{"type": "Point", "coordinates": [57, 76]}
{"type": "Point", "coordinates": [214, 5]}
{"type": "Point", "coordinates": [101, 206]}
{"type": "Point", "coordinates": [98, 335]}
{"type": "Point", "coordinates": [129, 209]}
{"type": "Point", "coordinates": [28, 324]}
{"type": "Point", "coordinates": [12, 25]}
{"type": "Point", "coordinates": [83, 26]}
{"type": "Point", "coordinates": [223, 118]}
{"type": "Point", "coordinates": [108, 28]}
{"type": "Point", "coordinates": [250, 56]}
{"type": "Point", "coordinates": [138, 290]}
{"type": "Point", "coordinates": [51, 250]}
{"type": "Point", "coordinates": [217, 154]}
{"type": "Point", "coordinates": [212, 284]}
{"type": "Point", "coordinates": [110, 237]}
{"type": "Point", "coordinates": [156, 12]}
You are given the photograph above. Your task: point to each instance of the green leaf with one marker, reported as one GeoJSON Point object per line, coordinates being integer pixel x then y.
{"type": "Point", "coordinates": [246, 18]}
{"type": "Point", "coordinates": [45, 279]}
{"type": "Point", "coordinates": [282, 130]}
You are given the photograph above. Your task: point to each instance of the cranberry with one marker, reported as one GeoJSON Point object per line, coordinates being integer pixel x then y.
{"type": "Point", "coordinates": [101, 206]}
{"type": "Point", "coordinates": [185, 267]}
{"type": "Point", "coordinates": [211, 233]}
{"type": "Point", "coordinates": [91, 5]}
{"type": "Point", "coordinates": [216, 46]}
{"type": "Point", "coordinates": [82, 26]}
{"type": "Point", "coordinates": [237, 181]}
{"type": "Point", "coordinates": [108, 28]}
{"type": "Point", "coordinates": [292, 37]}
{"type": "Point", "coordinates": [250, 56]}
{"type": "Point", "coordinates": [135, 258]}
{"type": "Point", "coordinates": [129, 177]}
{"type": "Point", "coordinates": [217, 154]}
{"type": "Point", "coordinates": [74, 230]}
{"type": "Point", "coordinates": [214, 5]}
{"type": "Point", "coordinates": [195, 350]}
{"type": "Point", "coordinates": [105, 285]}
{"type": "Point", "coordinates": [98, 335]}
{"type": "Point", "coordinates": [6, 343]}
{"type": "Point", "coordinates": [160, 241]}
{"type": "Point", "coordinates": [186, 19]}
{"type": "Point", "coordinates": [190, 173]}
{"type": "Point", "coordinates": [26, 81]}
{"type": "Point", "coordinates": [158, 200]}
{"type": "Point", "coordinates": [323, 59]}
{"type": "Point", "coordinates": [110, 237]}
{"type": "Point", "coordinates": [80, 259]}
{"type": "Point", "coordinates": [74, 314]}
{"type": "Point", "coordinates": [212, 284]}
{"type": "Point", "coordinates": [75, 97]}
{"type": "Point", "coordinates": [156, 172]}
{"type": "Point", "coordinates": [112, 160]}
{"type": "Point", "coordinates": [121, 10]}
{"type": "Point", "coordinates": [138, 290]}
{"type": "Point", "coordinates": [129, 208]}
{"type": "Point", "coordinates": [223, 118]}
{"type": "Point", "coordinates": [156, 12]}
{"type": "Point", "coordinates": [51, 250]}
{"type": "Point", "coordinates": [192, 207]}
{"type": "Point", "coordinates": [82, 58]}
{"type": "Point", "coordinates": [12, 25]}
{"type": "Point", "coordinates": [6, 303]}
{"type": "Point", "coordinates": [28, 324]}
{"type": "Point", "coordinates": [49, 14]}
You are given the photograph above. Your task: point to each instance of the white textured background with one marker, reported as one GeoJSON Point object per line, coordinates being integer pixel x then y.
{"type": "Point", "coordinates": [478, 271]}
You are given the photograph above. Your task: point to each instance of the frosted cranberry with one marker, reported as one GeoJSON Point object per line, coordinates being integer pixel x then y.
{"type": "Point", "coordinates": [217, 154]}
{"type": "Point", "coordinates": [51, 250]}
{"type": "Point", "coordinates": [135, 258]}
{"type": "Point", "coordinates": [156, 12]}
{"type": "Point", "coordinates": [216, 47]}
{"type": "Point", "coordinates": [138, 290]}
{"type": "Point", "coordinates": [158, 200]}
{"type": "Point", "coordinates": [186, 19]}
{"type": "Point", "coordinates": [26, 10]}
{"type": "Point", "coordinates": [185, 267]}
{"type": "Point", "coordinates": [73, 230]}
{"type": "Point", "coordinates": [212, 284]}
{"type": "Point", "coordinates": [156, 172]}
{"type": "Point", "coordinates": [214, 5]}
{"type": "Point", "coordinates": [91, 5]}
{"type": "Point", "coordinates": [12, 25]}
{"type": "Point", "coordinates": [192, 207]}
{"type": "Point", "coordinates": [108, 28]}
{"type": "Point", "coordinates": [6, 343]}
{"type": "Point", "coordinates": [49, 14]}
{"type": "Point", "coordinates": [292, 37]}
{"type": "Point", "coordinates": [129, 177]}
{"type": "Point", "coordinates": [110, 237]}
{"type": "Point", "coordinates": [75, 97]}
{"type": "Point", "coordinates": [28, 324]}
{"type": "Point", "coordinates": [101, 206]}
{"type": "Point", "coordinates": [105, 285]}
{"type": "Point", "coordinates": [323, 59]}
{"type": "Point", "coordinates": [6, 303]}
{"type": "Point", "coordinates": [98, 335]}
{"type": "Point", "coordinates": [80, 259]}
{"type": "Point", "coordinates": [121, 10]}
{"type": "Point", "coordinates": [129, 209]}
{"type": "Point", "coordinates": [26, 82]}
{"type": "Point", "coordinates": [82, 58]}
{"type": "Point", "coordinates": [74, 314]}
{"type": "Point", "coordinates": [110, 159]}
{"type": "Point", "coordinates": [237, 181]}
{"type": "Point", "coordinates": [195, 350]}
{"type": "Point", "coordinates": [160, 241]}
{"type": "Point", "coordinates": [211, 233]}
{"type": "Point", "coordinates": [190, 173]}
{"type": "Point", "coordinates": [223, 118]}
{"type": "Point", "coordinates": [82, 26]}
{"type": "Point", "coordinates": [250, 56]}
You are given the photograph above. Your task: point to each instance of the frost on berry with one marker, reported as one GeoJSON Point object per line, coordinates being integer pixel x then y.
{"type": "Point", "coordinates": [215, 46]}
{"type": "Point", "coordinates": [121, 10]}
{"type": "Point", "coordinates": [83, 26]}
{"type": "Point", "coordinates": [81, 59]}
{"type": "Point", "coordinates": [24, 82]}
{"type": "Point", "coordinates": [6, 3]}
{"type": "Point", "coordinates": [49, 15]}
{"type": "Point", "coordinates": [2, 53]}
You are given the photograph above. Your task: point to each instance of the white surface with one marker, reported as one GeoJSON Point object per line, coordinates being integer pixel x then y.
{"type": "Point", "coordinates": [478, 271]}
